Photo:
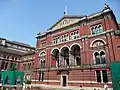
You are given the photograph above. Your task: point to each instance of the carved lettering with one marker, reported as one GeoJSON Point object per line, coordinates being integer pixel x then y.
{"type": "Point", "coordinates": [65, 22]}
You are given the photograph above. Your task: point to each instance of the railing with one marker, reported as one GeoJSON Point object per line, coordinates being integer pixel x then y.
{"type": "Point", "coordinates": [69, 67]}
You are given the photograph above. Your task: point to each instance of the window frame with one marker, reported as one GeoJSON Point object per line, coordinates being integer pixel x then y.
{"type": "Point", "coordinates": [96, 29]}
{"type": "Point", "coordinates": [102, 76]}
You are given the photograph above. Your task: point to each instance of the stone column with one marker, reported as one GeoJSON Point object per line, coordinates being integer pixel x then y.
{"type": "Point", "coordinates": [61, 62]}
{"type": "Point", "coordinates": [70, 59]}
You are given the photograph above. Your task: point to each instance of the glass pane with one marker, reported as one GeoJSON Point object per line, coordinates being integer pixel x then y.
{"type": "Point", "coordinates": [100, 29]}
{"type": "Point", "coordinates": [104, 74]}
{"type": "Point", "coordinates": [98, 76]}
{"type": "Point", "coordinates": [103, 59]}
{"type": "Point", "coordinates": [93, 31]}
{"type": "Point", "coordinates": [78, 61]}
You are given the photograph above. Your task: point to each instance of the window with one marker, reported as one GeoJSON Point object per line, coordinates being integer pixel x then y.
{"type": "Point", "coordinates": [29, 65]}
{"type": "Point", "coordinates": [12, 57]}
{"type": "Point", "coordinates": [7, 57]}
{"type": "Point", "coordinates": [98, 74]}
{"type": "Point", "coordinates": [15, 58]}
{"type": "Point", "coordinates": [96, 29]}
{"type": "Point", "coordinates": [8, 45]}
{"type": "Point", "coordinates": [74, 35]}
{"type": "Point", "coordinates": [6, 65]}
{"type": "Point", "coordinates": [100, 57]}
{"type": "Point", "coordinates": [56, 40]}
{"type": "Point", "coordinates": [42, 64]}
{"type": "Point", "coordinates": [3, 64]}
{"type": "Point", "coordinates": [43, 44]}
{"type": "Point", "coordinates": [42, 60]}
{"type": "Point", "coordinates": [15, 46]}
{"type": "Point", "coordinates": [101, 76]}
{"type": "Point", "coordinates": [97, 58]}
{"type": "Point", "coordinates": [4, 56]}
{"type": "Point", "coordinates": [104, 74]}
{"type": "Point", "coordinates": [24, 66]}
{"type": "Point", "coordinates": [64, 37]}
{"type": "Point", "coordinates": [41, 76]}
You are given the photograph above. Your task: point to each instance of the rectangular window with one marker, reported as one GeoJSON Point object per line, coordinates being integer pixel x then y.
{"type": "Point", "coordinates": [56, 40]}
{"type": "Point", "coordinates": [104, 74]}
{"type": "Point", "coordinates": [3, 64]}
{"type": "Point", "coordinates": [64, 37]}
{"type": "Point", "coordinates": [98, 74]}
{"type": "Point", "coordinates": [6, 65]}
{"type": "Point", "coordinates": [74, 35]}
{"type": "Point", "coordinates": [43, 44]}
{"type": "Point", "coordinates": [24, 66]}
{"type": "Point", "coordinates": [41, 76]}
{"type": "Point", "coordinates": [29, 65]}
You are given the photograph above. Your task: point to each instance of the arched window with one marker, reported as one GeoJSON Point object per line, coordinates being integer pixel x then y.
{"type": "Point", "coordinates": [97, 43]}
{"type": "Point", "coordinates": [93, 30]}
{"type": "Point", "coordinates": [102, 56]}
{"type": "Point", "coordinates": [97, 57]}
{"type": "Point", "coordinates": [96, 29]}
{"type": "Point", "coordinates": [42, 60]}
{"type": "Point", "coordinates": [100, 29]}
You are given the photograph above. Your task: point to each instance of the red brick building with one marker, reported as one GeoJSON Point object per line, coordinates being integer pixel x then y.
{"type": "Point", "coordinates": [18, 55]}
{"type": "Point", "coordinates": [77, 51]}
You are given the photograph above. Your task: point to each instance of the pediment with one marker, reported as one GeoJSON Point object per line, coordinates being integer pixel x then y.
{"type": "Point", "coordinates": [65, 21]}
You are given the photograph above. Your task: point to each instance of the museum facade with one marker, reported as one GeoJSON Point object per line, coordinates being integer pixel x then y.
{"type": "Point", "coordinates": [77, 51]}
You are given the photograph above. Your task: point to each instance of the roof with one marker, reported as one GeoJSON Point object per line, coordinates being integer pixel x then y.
{"type": "Point", "coordinates": [20, 44]}
{"type": "Point", "coordinates": [13, 51]}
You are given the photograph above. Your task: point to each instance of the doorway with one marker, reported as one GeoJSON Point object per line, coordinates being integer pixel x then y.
{"type": "Point", "coordinates": [64, 80]}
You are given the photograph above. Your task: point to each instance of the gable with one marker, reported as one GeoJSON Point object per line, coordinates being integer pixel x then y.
{"type": "Point", "coordinates": [65, 21]}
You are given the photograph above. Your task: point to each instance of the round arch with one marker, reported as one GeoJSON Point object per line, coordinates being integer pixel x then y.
{"type": "Point", "coordinates": [75, 44]}
{"type": "Point", "coordinates": [42, 52]}
{"type": "Point", "coordinates": [64, 47]}
{"type": "Point", "coordinates": [54, 49]}
{"type": "Point", "coordinates": [98, 39]}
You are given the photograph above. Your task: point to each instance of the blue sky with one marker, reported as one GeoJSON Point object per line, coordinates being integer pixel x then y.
{"type": "Point", "coordinates": [21, 20]}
